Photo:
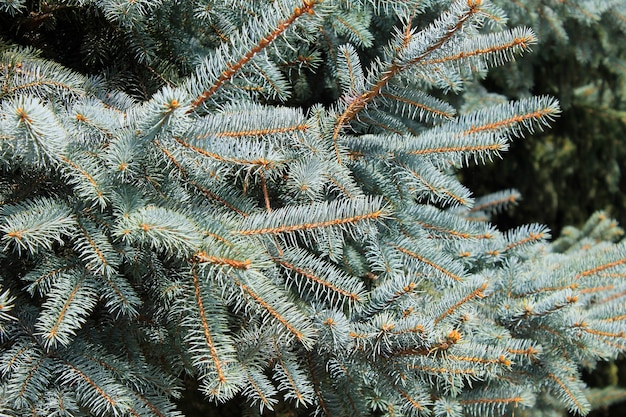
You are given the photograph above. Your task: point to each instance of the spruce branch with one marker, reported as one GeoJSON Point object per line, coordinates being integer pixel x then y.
{"type": "Point", "coordinates": [292, 380]}
{"type": "Point", "coordinates": [496, 202]}
{"type": "Point", "coordinates": [313, 216]}
{"type": "Point", "coordinates": [65, 311]}
{"type": "Point", "coordinates": [102, 394]}
{"type": "Point", "coordinates": [36, 224]}
{"type": "Point", "coordinates": [210, 344]}
{"type": "Point", "coordinates": [570, 393]}
{"type": "Point", "coordinates": [272, 304]}
{"type": "Point", "coordinates": [396, 67]}
{"type": "Point", "coordinates": [198, 183]}
{"type": "Point", "coordinates": [226, 75]}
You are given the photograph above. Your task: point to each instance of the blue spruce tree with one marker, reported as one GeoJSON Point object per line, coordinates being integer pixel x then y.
{"type": "Point", "coordinates": [246, 229]}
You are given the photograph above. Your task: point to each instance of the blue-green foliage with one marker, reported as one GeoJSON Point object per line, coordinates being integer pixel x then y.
{"type": "Point", "coordinates": [579, 39]}
{"type": "Point", "coordinates": [324, 257]}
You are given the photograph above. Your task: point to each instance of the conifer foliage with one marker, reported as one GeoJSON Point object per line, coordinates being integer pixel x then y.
{"type": "Point", "coordinates": [580, 60]}
{"type": "Point", "coordinates": [323, 257]}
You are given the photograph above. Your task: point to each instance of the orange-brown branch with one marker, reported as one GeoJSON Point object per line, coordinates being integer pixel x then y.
{"type": "Point", "coordinates": [308, 226]}
{"type": "Point", "coordinates": [30, 375]}
{"type": "Point", "coordinates": [99, 390]}
{"type": "Point", "coordinates": [205, 328]}
{"type": "Point", "coordinates": [532, 237]}
{"type": "Point", "coordinates": [312, 277]}
{"type": "Point", "coordinates": [260, 161]}
{"type": "Point", "coordinates": [13, 359]}
{"type": "Point", "coordinates": [292, 382]}
{"type": "Point", "coordinates": [259, 132]}
{"type": "Point", "coordinates": [523, 42]}
{"type": "Point", "coordinates": [148, 404]}
{"type": "Point", "coordinates": [547, 289]}
{"type": "Point", "coordinates": [583, 326]}
{"type": "Point", "coordinates": [212, 195]}
{"type": "Point", "coordinates": [422, 106]}
{"type": "Point", "coordinates": [316, 386]}
{"type": "Point", "coordinates": [453, 232]}
{"type": "Point", "coordinates": [436, 190]}
{"type": "Point", "coordinates": [530, 351]}
{"type": "Point", "coordinates": [494, 203]}
{"type": "Point", "coordinates": [307, 7]}
{"type": "Point", "coordinates": [600, 268]}
{"type": "Point", "coordinates": [435, 370]}
{"type": "Point", "coordinates": [414, 403]}
{"type": "Point", "coordinates": [508, 400]}
{"type": "Point", "coordinates": [507, 122]}
{"type": "Point", "coordinates": [478, 292]}
{"type": "Point", "coordinates": [616, 318]}
{"type": "Point", "coordinates": [41, 83]}
{"type": "Point", "coordinates": [266, 195]}
{"type": "Point", "coordinates": [172, 159]}
{"type": "Point", "coordinates": [567, 390]}
{"type": "Point", "coordinates": [53, 332]}
{"type": "Point", "coordinates": [91, 179]}
{"type": "Point", "coordinates": [466, 148]}
{"type": "Point", "coordinates": [51, 274]}
{"type": "Point", "coordinates": [203, 257]}
{"type": "Point", "coordinates": [429, 263]}
{"type": "Point", "coordinates": [93, 245]}
{"type": "Point", "coordinates": [473, 359]}
{"type": "Point", "coordinates": [199, 187]}
{"type": "Point", "coordinates": [270, 310]}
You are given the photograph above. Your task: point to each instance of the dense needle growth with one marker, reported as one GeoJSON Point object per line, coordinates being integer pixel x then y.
{"type": "Point", "coordinates": [199, 208]}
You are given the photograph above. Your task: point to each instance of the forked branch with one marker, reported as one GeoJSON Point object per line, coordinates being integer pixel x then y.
{"type": "Point", "coordinates": [358, 104]}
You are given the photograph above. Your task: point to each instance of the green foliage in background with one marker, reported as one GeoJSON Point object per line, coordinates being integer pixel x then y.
{"type": "Point", "coordinates": [581, 59]}
{"type": "Point", "coordinates": [258, 203]}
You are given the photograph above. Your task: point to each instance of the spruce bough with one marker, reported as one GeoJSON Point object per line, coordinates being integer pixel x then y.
{"type": "Point", "coordinates": [323, 257]}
